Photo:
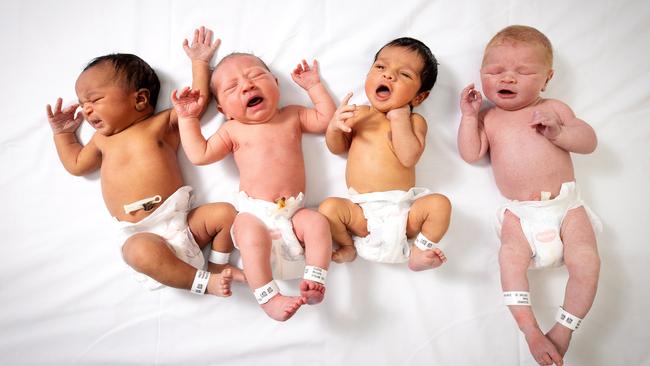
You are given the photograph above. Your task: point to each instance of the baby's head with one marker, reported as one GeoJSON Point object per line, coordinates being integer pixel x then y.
{"type": "Point", "coordinates": [517, 65]}
{"type": "Point", "coordinates": [403, 73]}
{"type": "Point", "coordinates": [116, 90]}
{"type": "Point", "coordinates": [245, 88]}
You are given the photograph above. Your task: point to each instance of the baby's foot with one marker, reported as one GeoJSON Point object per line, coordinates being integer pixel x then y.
{"type": "Point", "coordinates": [426, 259]}
{"type": "Point", "coordinates": [312, 291]}
{"type": "Point", "coordinates": [543, 350]}
{"type": "Point", "coordinates": [281, 307]}
{"type": "Point", "coordinates": [561, 337]}
{"type": "Point", "coordinates": [237, 274]}
{"type": "Point", "coordinates": [219, 283]}
{"type": "Point", "coordinates": [345, 253]}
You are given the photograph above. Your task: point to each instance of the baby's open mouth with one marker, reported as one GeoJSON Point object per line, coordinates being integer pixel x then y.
{"type": "Point", "coordinates": [506, 91]}
{"type": "Point", "coordinates": [383, 91]}
{"type": "Point", "coordinates": [254, 101]}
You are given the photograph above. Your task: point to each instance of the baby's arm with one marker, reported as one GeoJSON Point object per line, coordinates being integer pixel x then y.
{"type": "Point", "coordinates": [338, 136]}
{"type": "Point", "coordinates": [76, 158]}
{"type": "Point", "coordinates": [408, 133]}
{"type": "Point", "coordinates": [200, 52]}
{"type": "Point", "coordinates": [189, 106]}
{"type": "Point", "coordinates": [561, 127]}
{"type": "Point", "coordinates": [472, 139]}
{"type": "Point", "coordinates": [313, 120]}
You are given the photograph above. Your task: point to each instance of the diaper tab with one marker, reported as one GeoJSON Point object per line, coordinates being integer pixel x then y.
{"type": "Point", "coordinates": [200, 283]}
{"type": "Point", "coordinates": [516, 298]}
{"type": "Point", "coordinates": [267, 292]}
{"type": "Point", "coordinates": [567, 319]}
{"type": "Point", "coordinates": [315, 274]}
{"type": "Point", "coordinates": [143, 204]}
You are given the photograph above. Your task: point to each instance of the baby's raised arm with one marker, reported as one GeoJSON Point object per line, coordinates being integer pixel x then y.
{"type": "Point", "coordinates": [561, 127]}
{"type": "Point", "coordinates": [200, 52]}
{"type": "Point", "coordinates": [76, 158]}
{"type": "Point", "coordinates": [338, 136]}
{"type": "Point", "coordinates": [313, 120]}
{"type": "Point", "coordinates": [189, 106]}
{"type": "Point", "coordinates": [408, 133]}
{"type": "Point", "coordinates": [472, 139]}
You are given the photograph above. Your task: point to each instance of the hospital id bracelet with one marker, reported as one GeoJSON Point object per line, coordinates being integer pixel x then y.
{"type": "Point", "coordinates": [200, 283]}
{"type": "Point", "coordinates": [267, 292]}
{"type": "Point", "coordinates": [567, 319]}
{"type": "Point", "coordinates": [315, 274]}
{"type": "Point", "coordinates": [218, 257]}
{"type": "Point", "coordinates": [423, 243]}
{"type": "Point", "coordinates": [516, 298]}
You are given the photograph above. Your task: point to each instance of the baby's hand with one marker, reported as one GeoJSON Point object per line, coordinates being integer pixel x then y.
{"type": "Point", "coordinates": [402, 113]}
{"type": "Point", "coordinates": [64, 121]}
{"type": "Point", "coordinates": [470, 101]}
{"type": "Point", "coordinates": [189, 103]}
{"type": "Point", "coordinates": [548, 124]}
{"type": "Point", "coordinates": [306, 76]}
{"type": "Point", "coordinates": [342, 117]}
{"type": "Point", "coordinates": [202, 48]}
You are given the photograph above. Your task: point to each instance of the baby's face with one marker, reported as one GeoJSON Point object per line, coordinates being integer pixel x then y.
{"type": "Point", "coordinates": [514, 74]}
{"type": "Point", "coordinates": [394, 79]}
{"type": "Point", "coordinates": [105, 102]}
{"type": "Point", "coordinates": [246, 90]}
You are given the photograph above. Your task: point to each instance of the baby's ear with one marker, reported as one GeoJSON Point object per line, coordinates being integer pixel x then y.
{"type": "Point", "coordinates": [548, 78]}
{"type": "Point", "coordinates": [419, 99]}
{"type": "Point", "coordinates": [141, 99]}
{"type": "Point", "coordinates": [221, 111]}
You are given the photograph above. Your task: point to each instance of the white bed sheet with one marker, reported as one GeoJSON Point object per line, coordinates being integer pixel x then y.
{"type": "Point", "coordinates": [67, 298]}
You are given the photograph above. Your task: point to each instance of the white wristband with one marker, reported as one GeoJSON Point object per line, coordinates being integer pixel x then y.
{"type": "Point", "coordinates": [516, 298]}
{"type": "Point", "coordinates": [423, 243]}
{"type": "Point", "coordinates": [218, 257]}
{"type": "Point", "coordinates": [200, 283]}
{"type": "Point", "coordinates": [567, 319]}
{"type": "Point", "coordinates": [267, 292]}
{"type": "Point", "coordinates": [315, 274]}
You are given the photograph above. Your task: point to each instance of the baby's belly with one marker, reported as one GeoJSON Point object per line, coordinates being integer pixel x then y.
{"type": "Point", "coordinates": [525, 179]}
{"type": "Point", "coordinates": [368, 177]}
{"type": "Point", "coordinates": [119, 189]}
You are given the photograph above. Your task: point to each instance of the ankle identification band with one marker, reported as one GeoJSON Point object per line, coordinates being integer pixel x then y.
{"type": "Point", "coordinates": [218, 257]}
{"type": "Point", "coordinates": [200, 283]}
{"type": "Point", "coordinates": [516, 298]}
{"type": "Point", "coordinates": [423, 243]}
{"type": "Point", "coordinates": [267, 292]}
{"type": "Point", "coordinates": [315, 274]}
{"type": "Point", "coordinates": [143, 204]}
{"type": "Point", "coordinates": [567, 319]}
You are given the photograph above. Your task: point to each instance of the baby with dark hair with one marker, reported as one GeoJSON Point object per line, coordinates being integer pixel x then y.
{"type": "Point", "coordinates": [385, 217]}
{"type": "Point", "coordinates": [135, 150]}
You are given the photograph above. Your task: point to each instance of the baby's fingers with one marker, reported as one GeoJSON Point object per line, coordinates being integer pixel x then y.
{"type": "Point", "coordinates": [346, 99]}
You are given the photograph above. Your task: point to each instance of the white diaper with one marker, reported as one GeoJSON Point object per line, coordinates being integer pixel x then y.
{"type": "Point", "coordinates": [387, 213]}
{"type": "Point", "coordinates": [287, 255]}
{"type": "Point", "coordinates": [541, 222]}
{"type": "Point", "coordinates": [169, 221]}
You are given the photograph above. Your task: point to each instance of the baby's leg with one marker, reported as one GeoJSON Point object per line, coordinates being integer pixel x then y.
{"type": "Point", "coordinates": [254, 242]}
{"type": "Point", "coordinates": [149, 254]}
{"type": "Point", "coordinates": [514, 258]}
{"type": "Point", "coordinates": [430, 216]}
{"type": "Point", "coordinates": [211, 223]}
{"type": "Point", "coordinates": [313, 229]}
{"type": "Point", "coordinates": [344, 216]}
{"type": "Point", "coordinates": [583, 264]}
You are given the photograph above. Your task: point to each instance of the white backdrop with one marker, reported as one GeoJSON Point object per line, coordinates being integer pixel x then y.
{"type": "Point", "coordinates": [67, 298]}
